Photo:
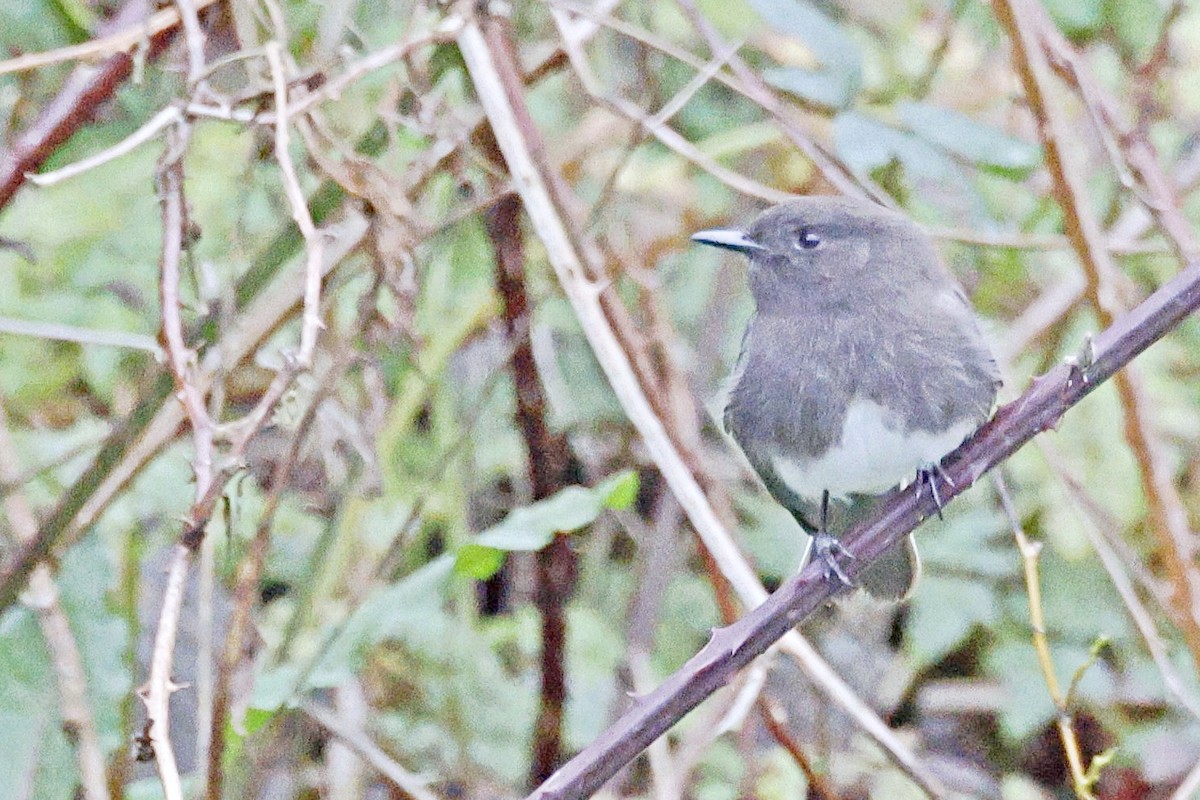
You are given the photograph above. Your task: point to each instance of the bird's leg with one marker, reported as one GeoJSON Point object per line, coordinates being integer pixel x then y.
{"type": "Point", "coordinates": [927, 476]}
{"type": "Point", "coordinates": [827, 549]}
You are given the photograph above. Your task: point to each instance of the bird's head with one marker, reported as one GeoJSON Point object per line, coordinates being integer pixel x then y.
{"type": "Point", "coordinates": [820, 251]}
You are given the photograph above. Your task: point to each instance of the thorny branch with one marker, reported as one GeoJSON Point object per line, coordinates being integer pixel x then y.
{"type": "Point", "coordinates": [735, 646]}
{"type": "Point", "coordinates": [182, 360]}
{"type": "Point", "coordinates": [182, 363]}
{"type": "Point", "coordinates": [156, 693]}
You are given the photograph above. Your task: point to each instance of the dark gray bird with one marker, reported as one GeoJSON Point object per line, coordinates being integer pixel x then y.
{"type": "Point", "coordinates": [862, 367]}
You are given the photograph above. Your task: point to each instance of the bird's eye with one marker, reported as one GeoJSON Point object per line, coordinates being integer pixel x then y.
{"type": "Point", "coordinates": [807, 239]}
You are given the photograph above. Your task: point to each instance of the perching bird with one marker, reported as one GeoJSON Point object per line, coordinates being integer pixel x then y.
{"type": "Point", "coordinates": [861, 368]}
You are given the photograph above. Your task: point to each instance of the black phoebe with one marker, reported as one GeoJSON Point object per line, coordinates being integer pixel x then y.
{"type": "Point", "coordinates": [862, 367]}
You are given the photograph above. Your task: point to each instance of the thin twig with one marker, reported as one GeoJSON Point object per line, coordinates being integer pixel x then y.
{"type": "Point", "coordinates": [333, 88]}
{"type": "Point", "coordinates": [159, 685]}
{"type": "Point", "coordinates": [193, 35]}
{"type": "Point", "coordinates": [251, 566]}
{"type": "Point", "coordinates": [110, 44]}
{"type": "Point", "coordinates": [830, 167]}
{"type": "Point", "coordinates": [1099, 535]}
{"type": "Point", "coordinates": [747, 83]}
{"type": "Point", "coordinates": [682, 147]}
{"type": "Point", "coordinates": [937, 56]}
{"type": "Point", "coordinates": [1041, 644]}
{"type": "Point", "coordinates": [775, 720]}
{"type": "Point", "coordinates": [156, 692]}
{"type": "Point", "coordinates": [84, 90]}
{"type": "Point", "coordinates": [370, 752]}
{"type": "Point", "coordinates": [1167, 518]}
{"type": "Point", "coordinates": [59, 332]}
{"type": "Point", "coordinates": [1130, 150]}
{"type": "Point", "coordinates": [168, 116]}
{"type": "Point", "coordinates": [1117, 245]}
{"type": "Point", "coordinates": [313, 240]}
{"type": "Point", "coordinates": [65, 657]}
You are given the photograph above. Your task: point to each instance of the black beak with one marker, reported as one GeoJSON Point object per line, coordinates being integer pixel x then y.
{"type": "Point", "coordinates": [729, 239]}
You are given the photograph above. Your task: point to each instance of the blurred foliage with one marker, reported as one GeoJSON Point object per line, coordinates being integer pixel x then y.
{"type": "Point", "coordinates": [403, 565]}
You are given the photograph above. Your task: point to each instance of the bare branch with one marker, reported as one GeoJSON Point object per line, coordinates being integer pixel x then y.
{"type": "Point", "coordinates": [148, 130]}
{"type": "Point", "coordinates": [371, 753]}
{"type": "Point", "coordinates": [57, 331]}
{"type": "Point", "coordinates": [1030, 552]}
{"type": "Point", "coordinates": [194, 36]}
{"type": "Point", "coordinates": [129, 32]}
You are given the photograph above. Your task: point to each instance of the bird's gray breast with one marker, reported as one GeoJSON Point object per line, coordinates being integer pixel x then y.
{"type": "Point", "coordinates": [854, 403]}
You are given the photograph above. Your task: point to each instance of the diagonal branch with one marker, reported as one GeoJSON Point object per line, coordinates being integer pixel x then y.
{"type": "Point", "coordinates": [735, 646]}
{"type": "Point", "coordinates": [522, 147]}
{"type": "Point", "coordinates": [83, 92]}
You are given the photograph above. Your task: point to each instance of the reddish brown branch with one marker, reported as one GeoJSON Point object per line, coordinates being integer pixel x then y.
{"type": "Point", "coordinates": [548, 463]}
{"type": "Point", "coordinates": [85, 89]}
{"type": "Point", "coordinates": [776, 723]}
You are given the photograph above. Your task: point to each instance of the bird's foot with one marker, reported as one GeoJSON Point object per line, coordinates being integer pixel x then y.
{"type": "Point", "coordinates": [826, 551]}
{"type": "Point", "coordinates": [928, 476]}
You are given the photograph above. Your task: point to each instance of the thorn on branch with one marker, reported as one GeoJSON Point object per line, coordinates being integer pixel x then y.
{"type": "Point", "coordinates": [143, 745]}
{"type": "Point", "coordinates": [1080, 363]}
{"type": "Point", "coordinates": [194, 535]}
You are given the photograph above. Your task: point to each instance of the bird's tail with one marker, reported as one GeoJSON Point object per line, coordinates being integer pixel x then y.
{"type": "Point", "coordinates": [893, 575]}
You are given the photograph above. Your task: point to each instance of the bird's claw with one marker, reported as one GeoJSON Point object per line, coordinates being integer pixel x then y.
{"type": "Point", "coordinates": [928, 476]}
{"type": "Point", "coordinates": [827, 550]}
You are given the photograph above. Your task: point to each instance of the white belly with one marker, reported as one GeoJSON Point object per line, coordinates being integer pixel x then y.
{"type": "Point", "coordinates": [874, 455]}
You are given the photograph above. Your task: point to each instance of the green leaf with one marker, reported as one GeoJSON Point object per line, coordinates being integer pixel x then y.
{"type": "Point", "coordinates": [943, 611]}
{"type": "Point", "coordinates": [1076, 18]}
{"type": "Point", "coordinates": [478, 561]}
{"type": "Point", "coordinates": [973, 141]}
{"type": "Point", "coordinates": [534, 526]}
{"type": "Point", "coordinates": [866, 144]}
{"type": "Point", "coordinates": [572, 508]}
{"type": "Point", "coordinates": [905, 163]}
{"type": "Point", "coordinates": [838, 80]}
{"type": "Point", "coordinates": [620, 490]}
{"type": "Point", "coordinates": [824, 88]}
{"type": "Point", "coordinates": [1135, 24]}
